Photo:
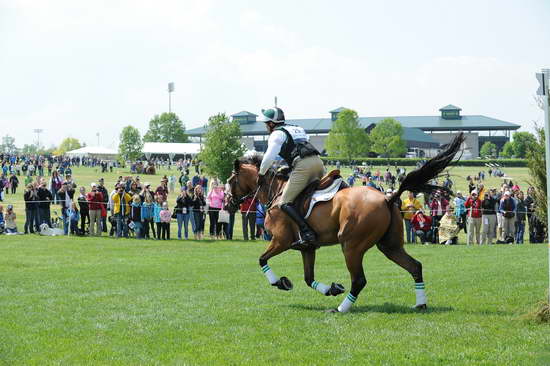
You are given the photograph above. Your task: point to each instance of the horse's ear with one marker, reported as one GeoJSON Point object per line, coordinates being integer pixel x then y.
{"type": "Point", "coordinates": [236, 165]}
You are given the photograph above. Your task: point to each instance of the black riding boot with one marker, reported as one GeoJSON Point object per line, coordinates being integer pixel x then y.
{"type": "Point", "coordinates": [307, 235]}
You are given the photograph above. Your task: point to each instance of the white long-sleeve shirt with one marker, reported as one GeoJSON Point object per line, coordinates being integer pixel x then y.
{"type": "Point", "coordinates": [274, 144]}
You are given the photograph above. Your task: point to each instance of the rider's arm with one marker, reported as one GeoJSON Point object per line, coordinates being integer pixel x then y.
{"type": "Point", "coordinates": [276, 140]}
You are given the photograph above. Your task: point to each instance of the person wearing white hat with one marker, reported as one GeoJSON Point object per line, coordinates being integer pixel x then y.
{"type": "Point", "coordinates": [508, 210]}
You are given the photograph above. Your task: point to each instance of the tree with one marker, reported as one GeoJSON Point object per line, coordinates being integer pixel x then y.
{"type": "Point", "coordinates": [347, 139]}
{"type": "Point", "coordinates": [536, 155]}
{"type": "Point", "coordinates": [166, 128]}
{"type": "Point", "coordinates": [222, 146]}
{"type": "Point", "coordinates": [522, 141]}
{"type": "Point", "coordinates": [130, 146]}
{"type": "Point", "coordinates": [387, 138]}
{"type": "Point", "coordinates": [68, 144]}
{"type": "Point", "coordinates": [29, 149]}
{"type": "Point", "coordinates": [488, 150]}
{"type": "Point", "coordinates": [507, 150]}
{"type": "Point", "coordinates": [8, 145]}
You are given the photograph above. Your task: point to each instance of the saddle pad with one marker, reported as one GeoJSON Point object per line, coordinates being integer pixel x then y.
{"type": "Point", "coordinates": [324, 195]}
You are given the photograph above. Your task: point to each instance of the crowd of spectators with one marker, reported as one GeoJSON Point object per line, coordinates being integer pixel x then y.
{"type": "Point", "coordinates": [133, 208]}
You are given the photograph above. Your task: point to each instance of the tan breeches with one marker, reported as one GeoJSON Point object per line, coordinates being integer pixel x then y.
{"type": "Point", "coordinates": [304, 172]}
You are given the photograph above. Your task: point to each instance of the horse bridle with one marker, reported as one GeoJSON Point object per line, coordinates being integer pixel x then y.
{"type": "Point", "coordinates": [254, 193]}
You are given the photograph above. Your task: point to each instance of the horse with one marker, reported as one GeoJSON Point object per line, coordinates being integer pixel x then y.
{"type": "Point", "coordinates": [357, 218]}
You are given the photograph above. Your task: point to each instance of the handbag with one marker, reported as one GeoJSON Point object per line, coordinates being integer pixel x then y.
{"type": "Point", "coordinates": [175, 212]}
{"type": "Point", "coordinates": [223, 217]}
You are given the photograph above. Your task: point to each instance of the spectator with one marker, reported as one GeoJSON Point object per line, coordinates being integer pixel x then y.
{"type": "Point", "coordinates": [438, 207]}
{"type": "Point", "coordinates": [232, 209]}
{"type": "Point", "coordinates": [14, 182]}
{"type": "Point", "coordinates": [101, 189]}
{"type": "Point", "coordinates": [157, 207]}
{"type": "Point", "coordinates": [147, 210]}
{"type": "Point", "coordinates": [204, 184]}
{"type": "Point", "coordinates": [460, 210]}
{"type": "Point", "coordinates": [215, 201]}
{"type": "Point", "coordinates": [183, 204]}
{"type": "Point", "coordinates": [65, 194]}
{"type": "Point", "coordinates": [10, 217]}
{"type": "Point", "coordinates": [31, 209]}
{"type": "Point", "coordinates": [260, 222]}
{"type": "Point", "coordinates": [422, 225]}
{"type": "Point", "coordinates": [165, 218]}
{"type": "Point", "coordinates": [136, 217]}
{"type": "Point", "coordinates": [121, 205]}
{"type": "Point", "coordinates": [55, 185]}
{"type": "Point", "coordinates": [409, 206]}
{"type": "Point", "coordinates": [473, 204]}
{"type": "Point", "coordinates": [44, 200]}
{"type": "Point", "coordinates": [248, 215]}
{"type": "Point", "coordinates": [95, 201]}
{"type": "Point", "coordinates": [198, 211]}
{"type": "Point", "coordinates": [73, 218]}
{"type": "Point", "coordinates": [489, 222]}
{"type": "Point", "coordinates": [162, 190]}
{"type": "Point", "coordinates": [2, 220]}
{"type": "Point", "coordinates": [448, 228]}
{"type": "Point", "coordinates": [521, 214]}
{"type": "Point", "coordinates": [508, 209]}
{"type": "Point", "coordinates": [84, 210]}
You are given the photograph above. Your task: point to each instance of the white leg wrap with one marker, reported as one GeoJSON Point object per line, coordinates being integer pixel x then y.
{"type": "Point", "coordinates": [321, 287]}
{"type": "Point", "coordinates": [271, 276]}
{"type": "Point", "coordinates": [420, 293]}
{"type": "Point", "coordinates": [347, 303]}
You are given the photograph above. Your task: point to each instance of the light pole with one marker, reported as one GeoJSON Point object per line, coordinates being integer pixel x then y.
{"type": "Point", "coordinates": [544, 92]}
{"type": "Point", "coordinates": [170, 90]}
{"type": "Point", "coordinates": [38, 131]}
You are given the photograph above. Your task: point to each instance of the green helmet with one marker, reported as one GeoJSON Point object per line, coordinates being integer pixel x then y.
{"type": "Point", "coordinates": [275, 115]}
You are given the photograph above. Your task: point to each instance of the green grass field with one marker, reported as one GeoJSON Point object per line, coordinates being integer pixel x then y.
{"type": "Point", "coordinates": [100, 301]}
{"type": "Point", "coordinates": [71, 300]}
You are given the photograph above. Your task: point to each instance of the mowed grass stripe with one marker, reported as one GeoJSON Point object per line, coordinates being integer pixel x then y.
{"type": "Point", "coordinates": [88, 300]}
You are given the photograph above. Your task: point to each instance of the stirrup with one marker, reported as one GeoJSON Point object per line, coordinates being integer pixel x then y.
{"type": "Point", "coordinates": [302, 244]}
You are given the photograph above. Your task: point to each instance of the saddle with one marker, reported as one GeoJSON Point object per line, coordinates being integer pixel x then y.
{"type": "Point", "coordinates": [323, 188]}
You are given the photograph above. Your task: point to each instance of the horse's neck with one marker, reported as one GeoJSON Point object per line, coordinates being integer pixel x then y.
{"type": "Point", "coordinates": [268, 195]}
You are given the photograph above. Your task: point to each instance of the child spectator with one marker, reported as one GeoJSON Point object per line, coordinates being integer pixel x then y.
{"type": "Point", "coordinates": [157, 207]}
{"type": "Point", "coordinates": [165, 218]}
{"type": "Point", "coordinates": [11, 227]}
{"type": "Point", "coordinates": [135, 216]}
{"type": "Point", "coordinates": [73, 217]}
{"type": "Point", "coordinates": [147, 217]}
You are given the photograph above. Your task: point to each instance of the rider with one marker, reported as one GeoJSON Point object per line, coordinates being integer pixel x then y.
{"type": "Point", "coordinates": [292, 144]}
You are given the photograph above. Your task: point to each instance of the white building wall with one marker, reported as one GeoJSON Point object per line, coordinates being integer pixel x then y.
{"type": "Point", "coordinates": [471, 144]}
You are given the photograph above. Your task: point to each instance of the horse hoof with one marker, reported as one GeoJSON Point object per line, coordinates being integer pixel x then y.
{"type": "Point", "coordinates": [422, 307]}
{"type": "Point", "coordinates": [331, 311]}
{"type": "Point", "coordinates": [284, 284]}
{"type": "Point", "coordinates": [335, 289]}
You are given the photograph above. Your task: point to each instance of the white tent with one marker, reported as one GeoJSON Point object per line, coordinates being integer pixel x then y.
{"type": "Point", "coordinates": [170, 149]}
{"type": "Point", "coordinates": [93, 151]}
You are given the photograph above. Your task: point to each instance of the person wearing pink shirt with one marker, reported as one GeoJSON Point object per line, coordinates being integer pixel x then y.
{"type": "Point", "coordinates": [215, 201]}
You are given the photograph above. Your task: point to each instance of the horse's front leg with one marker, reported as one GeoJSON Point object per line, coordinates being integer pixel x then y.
{"type": "Point", "coordinates": [275, 247]}
{"type": "Point", "coordinates": [308, 257]}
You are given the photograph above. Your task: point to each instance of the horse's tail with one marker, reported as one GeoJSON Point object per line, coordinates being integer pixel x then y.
{"type": "Point", "coordinates": [417, 180]}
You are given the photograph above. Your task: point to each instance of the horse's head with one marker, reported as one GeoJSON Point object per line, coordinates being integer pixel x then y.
{"type": "Point", "coordinates": [244, 180]}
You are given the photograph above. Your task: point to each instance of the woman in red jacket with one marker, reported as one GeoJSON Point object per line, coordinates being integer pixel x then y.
{"type": "Point", "coordinates": [421, 225]}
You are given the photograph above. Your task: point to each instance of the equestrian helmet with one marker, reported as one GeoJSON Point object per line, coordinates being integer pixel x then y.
{"type": "Point", "coordinates": [275, 115]}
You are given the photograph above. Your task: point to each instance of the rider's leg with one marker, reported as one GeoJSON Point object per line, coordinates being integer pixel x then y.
{"type": "Point", "coordinates": [304, 172]}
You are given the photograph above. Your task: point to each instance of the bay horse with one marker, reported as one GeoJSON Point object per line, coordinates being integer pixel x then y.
{"type": "Point", "coordinates": [357, 218]}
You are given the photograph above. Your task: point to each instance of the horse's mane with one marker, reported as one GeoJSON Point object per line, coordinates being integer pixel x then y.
{"type": "Point", "coordinates": [254, 158]}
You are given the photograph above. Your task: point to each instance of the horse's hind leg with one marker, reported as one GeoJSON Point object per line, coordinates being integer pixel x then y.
{"type": "Point", "coordinates": [397, 254]}
{"type": "Point", "coordinates": [308, 257]}
{"type": "Point", "coordinates": [392, 247]}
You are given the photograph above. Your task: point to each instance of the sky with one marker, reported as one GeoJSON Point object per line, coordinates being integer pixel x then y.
{"type": "Point", "coordinates": [78, 68]}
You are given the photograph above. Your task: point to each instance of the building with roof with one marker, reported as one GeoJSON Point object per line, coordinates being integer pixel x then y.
{"type": "Point", "coordinates": [424, 134]}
